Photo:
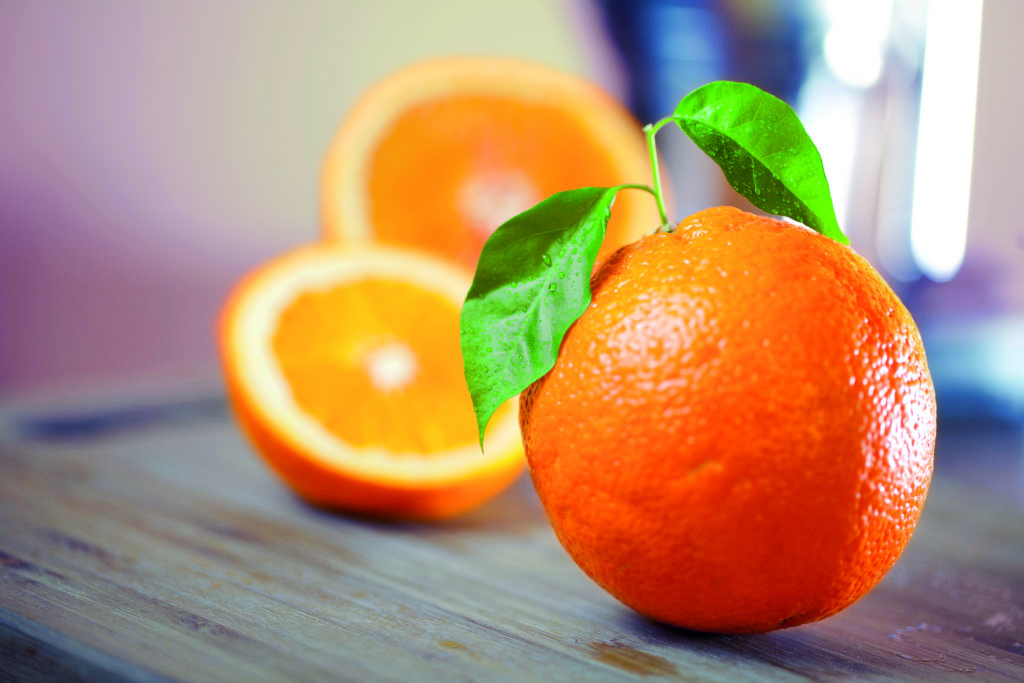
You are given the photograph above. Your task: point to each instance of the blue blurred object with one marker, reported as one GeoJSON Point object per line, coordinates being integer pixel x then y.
{"type": "Point", "coordinates": [978, 368]}
{"type": "Point", "coordinates": [670, 47]}
{"type": "Point", "coordinates": [867, 128]}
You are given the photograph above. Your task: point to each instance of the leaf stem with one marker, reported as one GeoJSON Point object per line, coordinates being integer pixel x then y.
{"type": "Point", "coordinates": [635, 186]}
{"type": "Point", "coordinates": [650, 130]}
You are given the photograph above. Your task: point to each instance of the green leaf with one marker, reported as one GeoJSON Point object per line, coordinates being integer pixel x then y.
{"type": "Point", "coordinates": [532, 282]}
{"type": "Point", "coordinates": [764, 151]}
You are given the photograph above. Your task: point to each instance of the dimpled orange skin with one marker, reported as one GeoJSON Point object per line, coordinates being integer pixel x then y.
{"type": "Point", "coordinates": [738, 433]}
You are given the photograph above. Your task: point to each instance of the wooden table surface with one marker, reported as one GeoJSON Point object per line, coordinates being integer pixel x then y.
{"type": "Point", "coordinates": [160, 548]}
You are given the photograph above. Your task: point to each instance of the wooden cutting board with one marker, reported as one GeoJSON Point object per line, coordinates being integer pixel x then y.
{"type": "Point", "coordinates": [165, 550]}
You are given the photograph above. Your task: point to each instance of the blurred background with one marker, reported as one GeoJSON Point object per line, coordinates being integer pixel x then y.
{"type": "Point", "coordinates": [151, 153]}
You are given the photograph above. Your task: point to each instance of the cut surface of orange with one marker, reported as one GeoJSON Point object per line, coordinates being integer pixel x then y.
{"type": "Point", "coordinates": [344, 367]}
{"type": "Point", "coordinates": [439, 154]}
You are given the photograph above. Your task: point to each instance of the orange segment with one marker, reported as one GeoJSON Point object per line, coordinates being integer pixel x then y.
{"type": "Point", "coordinates": [400, 355]}
{"type": "Point", "coordinates": [440, 154]}
{"type": "Point", "coordinates": [344, 368]}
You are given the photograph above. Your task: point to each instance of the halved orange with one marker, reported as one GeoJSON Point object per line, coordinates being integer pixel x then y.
{"type": "Point", "coordinates": [344, 368]}
{"type": "Point", "coordinates": [439, 154]}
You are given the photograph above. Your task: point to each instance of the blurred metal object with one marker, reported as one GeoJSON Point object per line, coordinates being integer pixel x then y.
{"type": "Point", "coordinates": [914, 106]}
{"type": "Point", "coordinates": [670, 47]}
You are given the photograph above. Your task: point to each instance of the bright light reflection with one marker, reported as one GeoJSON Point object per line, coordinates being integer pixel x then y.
{"type": "Point", "coordinates": [831, 114]}
{"type": "Point", "coordinates": [945, 139]}
{"type": "Point", "coordinates": [391, 366]}
{"type": "Point", "coordinates": [855, 42]}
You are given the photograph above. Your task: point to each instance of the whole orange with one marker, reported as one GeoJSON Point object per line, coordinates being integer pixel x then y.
{"type": "Point", "coordinates": [738, 433]}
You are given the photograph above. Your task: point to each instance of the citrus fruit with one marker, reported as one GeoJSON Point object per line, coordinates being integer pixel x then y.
{"type": "Point", "coordinates": [344, 369]}
{"type": "Point", "coordinates": [738, 433]}
{"type": "Point", "coordinates": [439, 154]}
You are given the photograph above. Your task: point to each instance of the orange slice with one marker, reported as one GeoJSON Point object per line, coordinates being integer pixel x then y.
{"type": "Point", "coordinates": [344, 368]}
{"type": "Point", "coordinates": [439, 154]}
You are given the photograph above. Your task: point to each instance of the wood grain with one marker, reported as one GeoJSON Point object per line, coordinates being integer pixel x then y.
{"type": "Point", "coordinates": [168, 552]}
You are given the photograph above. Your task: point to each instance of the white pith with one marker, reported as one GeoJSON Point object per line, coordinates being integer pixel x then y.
{"type": "Point", "coordinates": [488, 201]}
{"type": "Point", "coordinates": [391, 366]}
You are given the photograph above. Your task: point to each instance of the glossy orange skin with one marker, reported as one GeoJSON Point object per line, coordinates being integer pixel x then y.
{"type": "Point", "coordinates": [738, 433]}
